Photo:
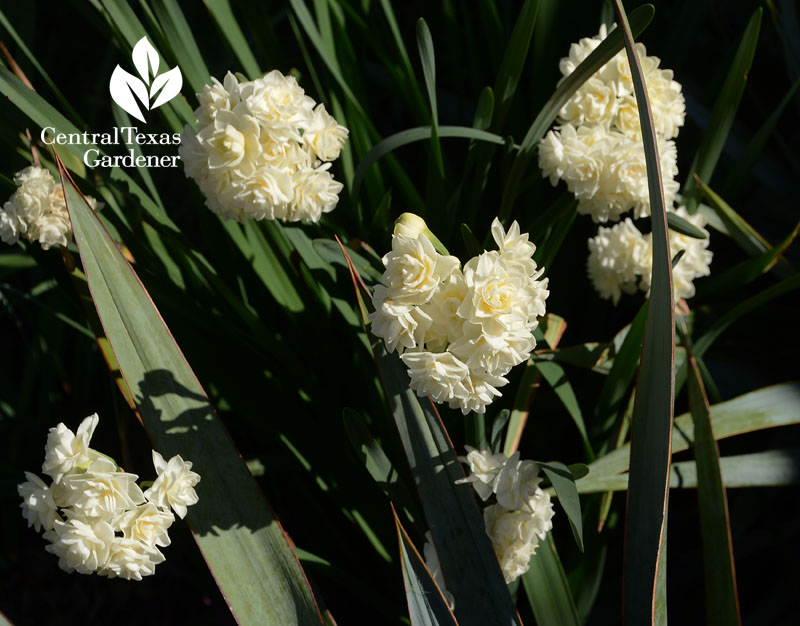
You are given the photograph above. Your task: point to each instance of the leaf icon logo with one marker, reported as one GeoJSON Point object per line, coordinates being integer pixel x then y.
{"type": "Point", "coordinates": [126, 89]}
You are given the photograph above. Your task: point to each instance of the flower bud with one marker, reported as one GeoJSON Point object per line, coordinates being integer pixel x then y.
{"type": "Point", "coordinates": [412, 226]}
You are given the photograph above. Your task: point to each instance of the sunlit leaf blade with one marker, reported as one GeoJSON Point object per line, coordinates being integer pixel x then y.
{"type": "Point", "coordinates": [556, 377]}
{"type": "Point", "coordinates": [426, 603]}
{"type": "Point", "coordinates": [470, 568]}
{"type": "Point", "coordinates": [722, 600]}
{"type": "Point", "coordinates": [683, 226]}
{"type": "Point", "coordinates": [769, 407]}
{"type": "Point", "coordinates": [226, 22]}
{"type": "Point", "coordinates": [639, 19]}
{"type": "Point", "coordinates": [774, 468]}
{"type": "Point", "coordinates": [179, 35]}
{"type": "Point", "coordinates": [428, 60]}
{"type": "Point", "coordinates": [614, 392]}
{"type": "Point", "coordinates": [745, 235]}
{"type": "Point", "coordinates": [747, 271]}
{"type": "Point", "coordinates": [651, 427]}
{"type": "Point", "coordinates": [710, 149]}
{"type": "Point", "coordinates": [564, 484]}
{"type": "Point", "coordinates": [4, 621]}
{"type": "Point", "coordinates": [547, 589]}
{"type": "Point", "coordinates": [242, 542]}
{"type": "Point", "coordinates": [549, 331]}
{"type": "Point", "coordinates": [411, 135]}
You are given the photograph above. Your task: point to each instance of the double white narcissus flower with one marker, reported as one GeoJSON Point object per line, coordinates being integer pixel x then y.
{"type": "Point", "coordinates": [597, 149]}
{"type": "Point", "coordinates": [262, 150]}
{"type": "Point", "coordinates": [458, 332]}
{"type": "Point", "coordinates": [95, 516]}
{"type": "Point", "coordinates": [523, 513]}
{"type": "Point", "coordinates": [621, 258]}
{"type": "Point", "coordinates": [174, 486]}
{"type": "Point", "coordinates": [37, 210]}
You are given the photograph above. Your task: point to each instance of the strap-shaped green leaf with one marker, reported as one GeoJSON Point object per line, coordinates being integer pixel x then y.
{"type": "Point", "coordinates": [651, 428]}
{"type": "Point", "coordinates": [547, 589]}
{"type": "Point", "coordinates": [769, 407]}
{"type": "Point", "coordinates": [242, 542]}
{"type": "Point", "coordinates": [426, 603]}
{"type": "Point", "coordinates": [722, 599]}
{"type": "Point", "coordinates": [705, 160]}
{"type": "Point", "coordinates": [470, 568]}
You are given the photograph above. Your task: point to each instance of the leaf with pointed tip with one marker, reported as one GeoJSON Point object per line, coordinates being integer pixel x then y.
{"type": "Point", "coordinates": [651, 427]}
{"type": "Point", "coordinates": [564, 484]}
{"type": "Point", "coordinates": [769, 407]}
{"type": "Point", "coordinates": [426, 603]}
{"type": "Point", "coordinates": [547, 589]}
{"type": "Point", "coordinates": [245, 547]}
{"type": "Point", "coordinates": [722, 599]}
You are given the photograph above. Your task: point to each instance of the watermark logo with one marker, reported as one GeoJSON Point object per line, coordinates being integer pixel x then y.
{"type": "Point", "coordinates": [153, 87]}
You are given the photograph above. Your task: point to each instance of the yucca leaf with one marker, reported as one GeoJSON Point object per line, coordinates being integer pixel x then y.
{"type": "Point", "coordinates": [470, 568]}
{"type": "Point", "coordinates": [769, 407]}
{"type": "Point", "coordinates": [242, 542]}
{"type": "Point", "coordinates": [645, 524]}
{"type": "Point", "coordinates": [426, 603]}
{"type": "Point", "coordinates": [722, 599]}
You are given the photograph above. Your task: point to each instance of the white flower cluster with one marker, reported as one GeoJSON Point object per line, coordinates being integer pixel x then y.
{"type": "Point", "coordinates": [459, 331]}
{"type": "Point", "coordinates": [95, 516]}
{"type": "Point", "coordinates": [597, 149]}
{"type": "Point", "coordinates": [621, 258]}
{"type": "Point", "coordinates": [263, 150]}
{"type": "Point", "coordinates": [37, 210]}
{"type": "Point", "coordinates": [523, 513]}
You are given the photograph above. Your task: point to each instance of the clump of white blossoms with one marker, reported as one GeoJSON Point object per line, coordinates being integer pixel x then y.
{"type": "Point", "coordinates": [597, 149]}
{"type": "Point", "coordinates": [95, 515]}
{"type": "Point", "coordinates": [37, 210]}
{"type": "Point", "coordinates": [621, 258]}
{"type": "Point", "coordinates": [523, 512]}
{"type": "Point", "coordinates": [262, 150]}
{"type": "Point", "coordinates": [459, 330]}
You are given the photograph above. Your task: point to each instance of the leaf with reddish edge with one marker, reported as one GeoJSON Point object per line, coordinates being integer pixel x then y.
{"type": "Point", "coordinates": [722, 598]}
{"type": "Point", "coordinates": [651, 429]}
{"type": "Point", "coordinates": [469, 565]}
{"type": "Point", "coordinates": [427, 605]}
{"type": "Point", "coordinates": [243, 543]}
